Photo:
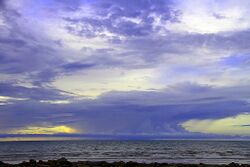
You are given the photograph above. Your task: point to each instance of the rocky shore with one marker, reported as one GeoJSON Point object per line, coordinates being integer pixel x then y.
{"type": "Point", "coordinates": [65, 163]}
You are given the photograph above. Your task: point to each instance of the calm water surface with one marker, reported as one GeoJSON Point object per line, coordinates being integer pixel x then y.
{"type": "Point", "coordinates": [212, 152]}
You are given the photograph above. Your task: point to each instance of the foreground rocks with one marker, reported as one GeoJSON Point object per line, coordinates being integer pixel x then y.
{"type": "Point", "coordinates": [65, 163]}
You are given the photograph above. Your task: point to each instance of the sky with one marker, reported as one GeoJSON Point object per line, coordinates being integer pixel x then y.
{"type": "Point", "coordinates": [124, 69]}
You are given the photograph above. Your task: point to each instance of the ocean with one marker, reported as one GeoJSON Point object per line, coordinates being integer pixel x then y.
{"type": "Point", "coordinates": [173, 151]}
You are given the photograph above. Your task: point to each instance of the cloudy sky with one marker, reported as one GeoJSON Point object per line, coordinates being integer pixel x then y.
{"type": "Point", "coordinates": [154, 69]}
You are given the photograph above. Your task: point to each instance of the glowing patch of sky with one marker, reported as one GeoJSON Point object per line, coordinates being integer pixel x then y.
{"type": "Point", "coordinates": [44, 130]}
{"type": "Point", "coordinates": [238, 125]}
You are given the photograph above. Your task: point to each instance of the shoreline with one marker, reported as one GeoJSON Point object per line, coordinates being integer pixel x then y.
{"type": "Point", "coordinates": [63, 162]}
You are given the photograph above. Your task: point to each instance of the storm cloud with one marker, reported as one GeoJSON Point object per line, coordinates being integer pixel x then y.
{"type": "Point", "coordinates": [123, 68]}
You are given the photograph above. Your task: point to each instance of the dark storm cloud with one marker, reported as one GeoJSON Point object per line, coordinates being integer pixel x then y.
{"type": "Point", "coordinates": [24, 52]}
{"type": "Point", "coordinates": [133, 113]}
{"type": "Point", "coordinates": [44, 76]}
{"type": "Point", "coordinates": [146, 112]}
{"type": "Point", "coordinates": [35, 93]}
{"type": "Point", "coordinates": [15, 42]}
{"type": "Point", "coordinates": [76, 66]}
{"type": "Point", "coordinates": [2, 4]}
{"type": "Point", "coordinates": [21, 52]}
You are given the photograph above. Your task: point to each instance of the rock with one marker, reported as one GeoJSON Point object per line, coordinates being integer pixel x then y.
{"type": "Point", "coordinates": [2, 164]}
{"type": "Point", "coordinates": [245, 165]}
{"type": "Point", "coordinates": [40, 162]}
{"type": "Point", "coordinates": [32, 161]}
{"type": "Point", "coordinates": [131, 164]}
{"type": "Point", "coordinates": [63, 162]}
{"type": "Point", "coordinates": [120, 164]}
{"type": "Point", "coordinates": [233, 165]}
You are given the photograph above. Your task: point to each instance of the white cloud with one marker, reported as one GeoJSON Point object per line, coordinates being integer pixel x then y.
{"type": "Point", "coordinates": [7, 98]}
{"type": "Point", "coordinates": [211, 16]}
{"type": "Point", "coordinates": [2, 22]}
{"type": "Point", "coordinates": [56, 101]}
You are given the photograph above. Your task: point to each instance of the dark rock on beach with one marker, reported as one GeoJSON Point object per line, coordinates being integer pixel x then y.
{"type": "Point", "coordinates": [63, 162]}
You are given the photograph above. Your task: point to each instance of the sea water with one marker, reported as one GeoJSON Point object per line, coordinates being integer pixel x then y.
{"type": "Point", "coordinates": [174, 151]}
